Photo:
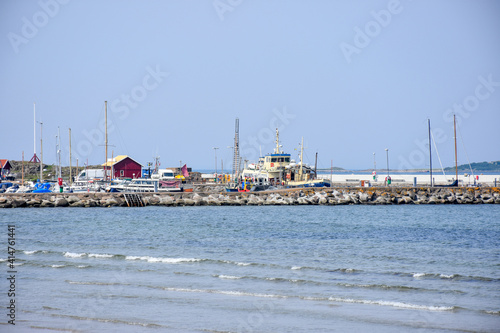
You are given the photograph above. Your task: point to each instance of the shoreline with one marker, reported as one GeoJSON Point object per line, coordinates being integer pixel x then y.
{"type": "Point", "coordinates": [304, 196]}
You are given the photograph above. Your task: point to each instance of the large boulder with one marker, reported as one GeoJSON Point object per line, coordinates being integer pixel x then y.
{"type": "Point", "coordinates": [61, 202]}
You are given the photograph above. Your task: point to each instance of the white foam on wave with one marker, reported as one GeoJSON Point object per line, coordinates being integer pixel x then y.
{"type": "Point", "coordinates": [82, 266]}
{"type": "Point", "coordinates": [2, 260]}
{"type": "Point", "coordinates": [418, 275]}
{"type": "Point", "coordinates": [297, 267]}
{"type": "Point", "coordinates": [229, 277]}
{"type": "Point", "coordinates": [236, 263]}
{"type": "Point", "coordinates": [393, 304]}
{"type": "Point", "coordinates": [96, 255]}
{"type": "Point", "coordinates": [243, 263]}
{"type": "Point", "coordinates": [73, 255]}
{"type": "Point", "coordinates": [224, 292]}
{"type": "Point", "coordinates": [162, 260]}
{"type": "Point", "coordinates": [30, 252]}
{"type": "Point", "coordinates": [444, 276]}
{"type": "Point", "coordinates": [57, 266]}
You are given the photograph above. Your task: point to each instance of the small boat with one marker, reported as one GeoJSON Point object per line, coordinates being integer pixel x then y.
{"type": "Point", "coordinates": [149, 185]}
{"type": "Point", "coordinates": [80, 186]}
{"type": "Point", "coordinates": [42, 188]}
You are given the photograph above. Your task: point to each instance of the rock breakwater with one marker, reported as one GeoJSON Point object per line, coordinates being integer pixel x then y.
{"type": "Point", "coordinates": [319, 196]}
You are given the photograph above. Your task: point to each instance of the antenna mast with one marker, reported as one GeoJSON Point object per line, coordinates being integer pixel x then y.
{"type": "Point", "coordinates": [236, 154]}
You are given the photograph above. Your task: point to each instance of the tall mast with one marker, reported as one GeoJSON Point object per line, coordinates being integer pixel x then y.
{"type": "Point", "coordinates": [456, 160]}
{"type": "Point", "coordinates": [301, 157]}
{"type": "Point", "coordinates": [70, 176]}
{"type": "Point", "coordinates": [35, 158]}
{"type": "Point", "coordinates": [106, 139]}
{"type": "Point", "coordinates": [277, 149]}
{"type": "Point", "coordinates": [236, 154]}
{"type": "Point", "coordinates": [430, 151]}
{"type": "Point", "coordinates": [316, 166]}
{"type": "Point", "coordinates": [59, 151]}
{"type": "Point", "coordinates": [41, 152]}
{"type": "Point", "coordinates": [34, 131]}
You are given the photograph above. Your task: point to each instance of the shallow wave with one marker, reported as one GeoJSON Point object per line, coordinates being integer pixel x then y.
{"type": "Point", "coordinates": [93, 283]}
{"type": "Point", "coordinates": [113, 321]}
{"type": "Point", "coordinates": [312, 298]}
{"type": "Point", "coordinates": [96, 255]}
{"type": "Point", "coordinates": [162, 260]}
{"type": "Point", "coordinates": [381, 286]}
{"type": "Point", "coordinates": [74, 255]}
{"type": "Point", "coordinates": [394, 304]}
{"type": "Point", "coordinates": [224, 292]}
{"type": "Point", "coordinates": [345, 270]}
{"type": "Point", "coordinates": [30, 252]}
{"type": "Point", "coordinates": [496, 313]}
{"type": "Point", "coordinates": [58, 266]}
{"type": "Point", "coordinates": [445, 276]}
{"type": "Point", "coordinates": [228, 277]}
{"type": "Point", "coordinates": [237, 263]}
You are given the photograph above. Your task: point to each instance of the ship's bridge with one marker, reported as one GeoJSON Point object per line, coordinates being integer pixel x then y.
{"type": "Point", "coordinates": [276, 161]}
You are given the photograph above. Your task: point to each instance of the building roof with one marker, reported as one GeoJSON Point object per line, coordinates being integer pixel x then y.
{"type": "Point", "coordinates": [117, 159]}
{"type": "Point", "coordinates": [3, 163]}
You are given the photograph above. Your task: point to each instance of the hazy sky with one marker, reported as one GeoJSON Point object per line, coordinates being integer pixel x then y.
{"type": "Point", "coordinates": [351, 77]}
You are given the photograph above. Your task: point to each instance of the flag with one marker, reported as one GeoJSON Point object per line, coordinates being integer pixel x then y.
{"type": "Point", "coordinates": [184, 170]}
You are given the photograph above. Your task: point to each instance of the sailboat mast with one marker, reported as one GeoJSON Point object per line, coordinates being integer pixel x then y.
{"type": "Point", "coordinates": [277, 149]}
{"type": "Point", "coordinates": [70, 176]}
{"type": "Point", "coordinates": [301, 157]}
{"type": "Point", "coordinates": [430, 150]}
{"type": "Point", "coordinates": [316, 166]}
{"type": "Point", "coordinates": [456, 159]}
{"type": "Point", "coordinates": [106, 139]}
{"type": "Point", "coordinates": [59, 151]}
{"type": "Point", "coordinates": [41, 152]}
{"type": "Point", "coordinates": [34, 130]}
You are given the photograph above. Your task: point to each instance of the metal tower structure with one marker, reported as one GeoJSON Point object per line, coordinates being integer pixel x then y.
{"type": "Point", "coordinates": [236, 156]}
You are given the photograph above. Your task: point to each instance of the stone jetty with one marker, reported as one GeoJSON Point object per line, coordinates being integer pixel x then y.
{"type": "Point", "coordinates": [310, 196]}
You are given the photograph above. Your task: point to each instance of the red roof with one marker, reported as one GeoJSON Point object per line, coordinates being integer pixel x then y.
{"type": "Point", "coordinates": [3, 164]}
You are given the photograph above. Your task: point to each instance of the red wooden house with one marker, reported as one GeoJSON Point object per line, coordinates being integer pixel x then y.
{"type": "Point", "coordinates": [123, 166]}
{"type": "Point", "coordinates": [4, 168]}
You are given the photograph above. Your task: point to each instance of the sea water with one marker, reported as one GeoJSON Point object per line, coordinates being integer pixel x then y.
{"type": "Point", "coordinates": [254, 269]}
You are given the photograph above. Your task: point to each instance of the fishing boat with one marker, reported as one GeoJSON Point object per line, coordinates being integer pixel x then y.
{"type": "Point", "coordinates": [278, 170]}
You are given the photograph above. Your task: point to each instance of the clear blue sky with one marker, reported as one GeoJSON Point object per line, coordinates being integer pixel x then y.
{"type": "Point", "coordinates": [351, 77]}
